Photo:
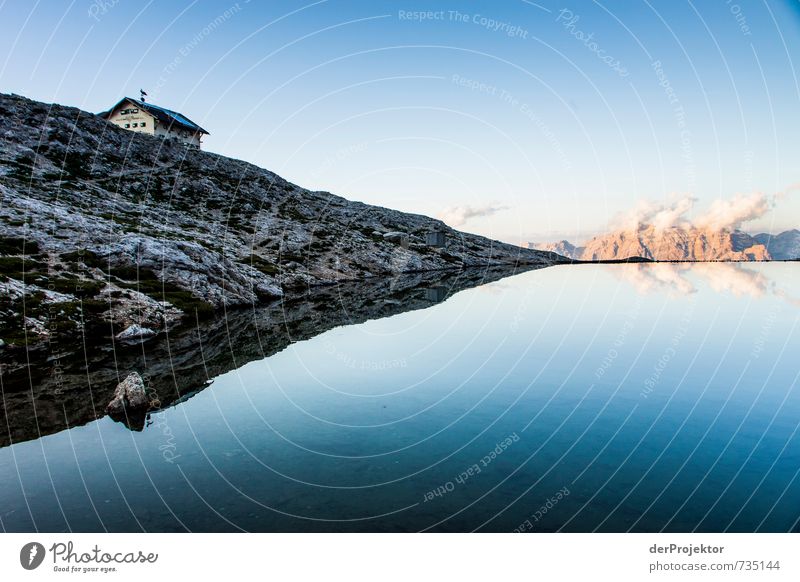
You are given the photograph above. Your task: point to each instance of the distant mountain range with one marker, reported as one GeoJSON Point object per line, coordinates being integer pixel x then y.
{"type": "Point", "coordinates": [681, 243]}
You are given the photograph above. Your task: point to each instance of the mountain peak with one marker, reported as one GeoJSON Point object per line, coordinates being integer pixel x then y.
{"type": "Point", "coordinates": [682, 243]}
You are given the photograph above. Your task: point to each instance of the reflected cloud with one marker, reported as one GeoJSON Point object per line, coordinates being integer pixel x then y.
{"type": "Point", "coordinates": [650, 277]}
{"type": "Point", "coordinates": [734, 278]}
{"type": "Point", "coordinates": [788, 298]}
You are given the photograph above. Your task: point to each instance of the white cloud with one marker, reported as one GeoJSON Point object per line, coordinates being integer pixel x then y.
{"type": "Point", "coordinates": [730, 214]}
{"type": "Point", "coordinates": [721, 215]}
{"type": "Point", "coordinates": [460, 215]}
{"type": "Point", "coordinates": [659, 215]}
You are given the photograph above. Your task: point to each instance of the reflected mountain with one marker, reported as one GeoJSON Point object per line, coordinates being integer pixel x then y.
{"type": "Point", "coordinates": [53, 392]}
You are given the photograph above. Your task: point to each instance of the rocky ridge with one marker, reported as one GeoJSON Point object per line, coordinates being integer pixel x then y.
{"type": "Point", "coordinates": [105, 231]}
{"type": "Point", "coordinates": [684, 243]}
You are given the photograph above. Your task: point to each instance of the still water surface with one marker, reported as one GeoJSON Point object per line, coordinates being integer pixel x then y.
{"type": "Point", "coordinates": [574, 398]}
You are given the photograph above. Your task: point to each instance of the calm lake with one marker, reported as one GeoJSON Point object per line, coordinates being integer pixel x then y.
{"type": "Point", "coordinates": [581, 398]}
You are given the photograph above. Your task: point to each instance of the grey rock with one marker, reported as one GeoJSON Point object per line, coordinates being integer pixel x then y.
{"type": "Point", "coordinates": [784, 246]}
{"type": "Point", "coordinates": [163, 233]}
{"type": "Point", "coordinates": [562, 247]}
{"type": "Point", "coordinates": [395, 236]}
{"type": "Point", "coordinates": [129, 395]}
{"type": "Point", "coordinates": [135, 332]}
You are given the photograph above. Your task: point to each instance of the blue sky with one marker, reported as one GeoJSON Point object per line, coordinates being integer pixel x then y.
{"type": "Point", "coordinates": [507, 116]}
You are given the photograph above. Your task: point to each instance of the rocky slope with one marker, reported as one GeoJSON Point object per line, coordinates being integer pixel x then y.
{"type": "Point", "coordinates": [562, 247]}
{"type": "Point", "coordinates": [784, 246]}
{"type": "Point", "coordinates": [104, 231]}
{"type": "Point", "coordinates": [686, 243]}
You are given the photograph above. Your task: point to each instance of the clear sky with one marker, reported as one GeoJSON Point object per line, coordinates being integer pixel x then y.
{"type": "Point", "coordinates": [518, 120]}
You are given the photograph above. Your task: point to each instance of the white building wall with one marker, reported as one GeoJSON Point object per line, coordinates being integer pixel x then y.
{"type": "Point", "coordinates": [138, 120]}
{"type": "Point", "coordinates": [178, 133]}
{"type": "Point", "coordinates": [135, 120]}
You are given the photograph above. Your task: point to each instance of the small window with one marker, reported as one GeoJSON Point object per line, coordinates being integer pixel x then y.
{"type": "Point", "coordinates": [142, 124]}
{"type": "Point", "coordinates": [127, 126]}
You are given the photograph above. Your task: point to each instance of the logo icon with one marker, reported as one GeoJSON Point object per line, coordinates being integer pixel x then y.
{"type": "Point", "coordinates": [31, 555]}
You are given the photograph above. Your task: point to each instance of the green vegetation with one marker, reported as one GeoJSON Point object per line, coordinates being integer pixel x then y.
{"type": "Point", "coordinates": [288, 211]}
{"type": "Point", "coordinates": [261, 264]}
{"type": "Point", "coordinates": [22, 167]}
{"type": "Point", "coordinates": [17, 267]}
{"type": "Point", "coordinates": [85, 256]}
{"type": "Point", "coordinates": [63, 320]}
{"type": "Point", "coordinates": [147, 282]}
{"type": "Point", "coordinates": [74, 286]}
{"type": "Point", "coordinates": [11, 245]}
{"type": "Point", "coordinates": [143, 280]}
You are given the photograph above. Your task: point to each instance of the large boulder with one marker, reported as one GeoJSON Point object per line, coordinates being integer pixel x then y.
{"type": "Point", "coordinates": [395, 237]}
{"type": "Point", "coordinates": [130, 395]}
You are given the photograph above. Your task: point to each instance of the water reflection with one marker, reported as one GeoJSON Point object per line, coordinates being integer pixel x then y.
{"type": "Point", "coordinates": [41, 399]}
{"type": "Point", "coordinates": [737, 279]}
{"type": "Point", "coordinates": [661, 411]}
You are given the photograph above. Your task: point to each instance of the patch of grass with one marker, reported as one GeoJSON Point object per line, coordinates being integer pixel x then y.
{"type": "Point", "coordinates": [450, 258]}
{"type": "Point", "coordinates": [66, 319]}
{"type": "Point", "coordinates": [147, 282]}
{"type": "Point", "coordinates": [290, 257]}
{"type": "Point", "coordinates": [142, 280]}
{"type": "Point", "coordinates": [85, 256]}
{"type": "Point", "coordinates": [75, 165]}
{"type": "Point", "coordinates": [74, 286]}
{"type": "Point", "coordinates": [289, 211]}
{"type": "Point", "coordinates": [15, 267]}
{"type": "Point", "coordinates": [22, 167]}
{"type": "Point", "coordinates": [133, 273]}
{"type": "Point", "coordinates": [12, 245]}
{"type": "Point", "coordinates": [261, 264]}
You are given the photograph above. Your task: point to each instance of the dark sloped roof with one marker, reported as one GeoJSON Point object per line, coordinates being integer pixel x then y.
{"type": "Point", "coordinates": [162, 114]}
